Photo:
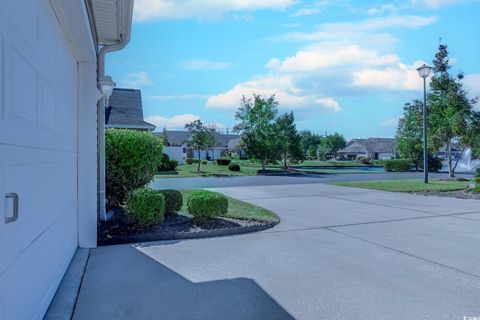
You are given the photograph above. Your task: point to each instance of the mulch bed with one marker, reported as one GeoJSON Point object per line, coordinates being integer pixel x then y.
{"type": "Point", "coordinates": [175, 226]}
{"type": "Point", "coordinates": [460, 194]}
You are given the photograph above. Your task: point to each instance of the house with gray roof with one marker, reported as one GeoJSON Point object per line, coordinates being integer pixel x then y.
{"type": "Point", "coordinates": [125, 111]}
{"type": "Point", "coordinates": [373, 148]}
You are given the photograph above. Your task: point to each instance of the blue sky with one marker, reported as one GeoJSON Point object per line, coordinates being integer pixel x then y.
{"type": "Point", "coordinates": [344, 66]}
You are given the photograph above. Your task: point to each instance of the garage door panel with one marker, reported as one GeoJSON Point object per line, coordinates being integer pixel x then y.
{"type": "Point", "coordinates": [45, 182]}
{"type": "Point", "coordinates": [38, 271]}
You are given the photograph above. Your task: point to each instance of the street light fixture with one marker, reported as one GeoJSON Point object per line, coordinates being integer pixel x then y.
{"type": "Point", "coordinates": [424, 72]}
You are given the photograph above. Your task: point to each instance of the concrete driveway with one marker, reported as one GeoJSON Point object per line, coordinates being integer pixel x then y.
{"type": "Point", "coordinates": [339, 253]}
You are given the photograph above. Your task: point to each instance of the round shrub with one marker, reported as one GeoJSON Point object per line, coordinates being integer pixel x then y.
{"type": "Point", "coordinates": [131, 161]}
{"type": "Point", "coordinates": [146, 206]}
{"type": "Point", "coordinates": [189, 160]}
{"type": "Point", "coordinates": [173, 164]}
{"type": "Point", "coordinates": [434, 164]}
{"type": "Point", "coordinates": [204, 162]}
{"type": "Point", "coordinates": [234, 167]}
{"type": "Point", "coordinates": [223, 161]}
{"type": "Point", "coordinates": [364, 160]}
{"type": "Point", "coordinates": [397, 165]}
{"type": "Point", "coordinates": [173, 200]}
{"type": "Point", "coordinates": [204, 204]}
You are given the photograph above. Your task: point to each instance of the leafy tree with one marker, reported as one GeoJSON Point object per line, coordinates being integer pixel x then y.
{"type": "Point", "coordinates": [409, 133]}
{"type": "Point", "coordinates": [335, 142]}
{"type": "Point", "coordinates": [165, 136]}
{"type": "Point", "coordinates": [450, 110]}
{"type": "Point", "coordinates": [289, 141]}
{"type": "Point", "coordinates": [322, 148]}
{"type": "Point", "coordinates": [309, 143]}
{"type": "Point", "coordinates": [201, 138]}
{"type": "Point", "coordinates": [256, 123]}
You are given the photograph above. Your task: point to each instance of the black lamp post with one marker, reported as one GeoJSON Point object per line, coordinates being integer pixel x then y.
{"type": "Point", "coordinates": [424, 72]}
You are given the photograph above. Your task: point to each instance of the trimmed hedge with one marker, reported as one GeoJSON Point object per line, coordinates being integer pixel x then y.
{"type": "Point", "coordinates": [146, 206]}
{"type": "Point", "coordinates": [397, 165]}
{"type": "Point", "coordinates": [203, 204]}
{"type": "Point", "coordinates": [234, 167]}
{"type": "Point", "coordinates": [131, 161]}
{"type": "Point", "coordinates": [364, 160]}
{"type": "Point", "coordinates": [223, 161]}
{"type": "Point", "coordinates": [173, 200]}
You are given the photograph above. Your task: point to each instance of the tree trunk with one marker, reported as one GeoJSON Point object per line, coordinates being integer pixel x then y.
{"type": "Point", "coordinates": [285, 161]}
{"type": "Point", "coordinates": [451, 171]}
{"type": "Point", "coordinates": [263, 164]}
{"type": "Point", "coordinates": [199, 160]}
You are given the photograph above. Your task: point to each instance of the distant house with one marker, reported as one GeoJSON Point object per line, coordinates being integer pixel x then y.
{"type": "Point", "coordinates": [125, 111]}
{"type": "Point", "coordinates": [176, 140]}
{"type": "Point", "coordinates": [456, 152]}
{"type": "Point", "coordinates": [373, 148]}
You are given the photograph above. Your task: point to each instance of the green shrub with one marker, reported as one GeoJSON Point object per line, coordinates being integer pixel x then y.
{"type": "Point", "coordinates": [397, 165]}
{"type": "Point", "coordinates": [476, 180]}
{"type": "Point", "coordinates": [204, 162]}
{"type": "Point", "coordinates": [146, 206]}
{"type": "Point", "coordinates": [204, 204]}
{"type": "Point", "coordinates": [164, 163]}
{"type": "Point", "coordinates": [132, 159]}
{"type": "Point", "coordinates": [173, 200]}
{"type": "Point", "coordinates": [223, 161]}
{"type": "Point", "coordinates": [173, 164]}
{"type": "Point", "coordinates": [364, 160]}
{"type": "Point", "coordinates": [434, 164]}
{"type": "Point", "coordinates": [234, 167]}
{"type": "Point", "coordinates": [189, 160]}
{"type": "Point", "coordinates": [477, 173]}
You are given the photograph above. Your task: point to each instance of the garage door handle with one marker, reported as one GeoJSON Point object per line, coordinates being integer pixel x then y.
{"type": "Point", "coordinates": [14, 217]}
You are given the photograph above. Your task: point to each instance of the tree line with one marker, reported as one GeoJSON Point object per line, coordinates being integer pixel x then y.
{"type": "Point", "coordinates": [451, 118]}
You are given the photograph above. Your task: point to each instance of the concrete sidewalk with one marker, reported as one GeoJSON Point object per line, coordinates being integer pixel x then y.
{"type": "Point", "coordinates": [339, 253]}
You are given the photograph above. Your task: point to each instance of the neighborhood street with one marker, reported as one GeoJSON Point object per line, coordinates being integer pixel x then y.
{"type": "Point", "coordinates": [339, 253]}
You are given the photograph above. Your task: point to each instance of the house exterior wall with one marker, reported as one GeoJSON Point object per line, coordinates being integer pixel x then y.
{"type": "Point", "coordinates": [175, 153]}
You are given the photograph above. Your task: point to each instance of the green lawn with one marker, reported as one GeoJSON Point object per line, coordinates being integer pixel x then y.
{"type": "Point", "coordinates": [405, 185]}
{"type": "Point", "coordinates": [238, 209]}
{"type": "Point", "coordinates": [211, 169]}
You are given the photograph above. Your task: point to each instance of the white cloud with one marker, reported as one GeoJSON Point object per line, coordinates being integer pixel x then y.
{"type": "Point", "coordinates": [174, 123]}
{"type": "Point", "coordinates": [291, 25]}
{"type": "Point", "coordinates": [392, 122]}
{"type": "Point", "coordinates": [192, 96]}
{"type": "Point", "coordinates": [472, 84]}
{"type": "Point", "coordinates": [436, 4]}
{"type": "Point", "coordinates": [381, 9]}
{"type": "Point", "coordinates": [136, 80]}
{"type": "Point", "coordinates": [145, 10]}
{"type": "Point", "coordinates": [306, 12]}
{"type": "Point", "coordinates": [204, 65]}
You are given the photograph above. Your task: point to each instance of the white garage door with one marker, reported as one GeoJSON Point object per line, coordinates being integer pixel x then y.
{"type": "Point", "coordinates": [38, 157]}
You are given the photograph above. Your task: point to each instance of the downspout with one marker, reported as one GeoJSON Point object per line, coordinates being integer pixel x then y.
{"type": "Point", "coordinates": [103, 216]}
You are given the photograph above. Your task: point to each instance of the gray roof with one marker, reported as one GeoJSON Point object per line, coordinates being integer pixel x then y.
{"type": "Point", "coordinates": [371, 145]}
{"type": "Point", "coordinates": [178, 138]}
{"type": "Point", "coordinates": [234, 143]}
{"type": "Point", "coordinates": [126, 110]}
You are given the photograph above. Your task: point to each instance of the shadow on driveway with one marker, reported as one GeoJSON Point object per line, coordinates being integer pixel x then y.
{"type": "Point", "coordinates": [121, 282]}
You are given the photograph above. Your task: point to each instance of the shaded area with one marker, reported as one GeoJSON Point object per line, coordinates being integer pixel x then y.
{"type": "Point", "coordinates": [122, 283]}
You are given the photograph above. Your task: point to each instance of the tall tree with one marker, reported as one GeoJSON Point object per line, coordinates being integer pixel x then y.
{"type": "Point", "coordinates": [289, 141]}
{"type": "Point", "coordinates": [165, 136]}
{"type": "Point", "coordinates": [450, 110]}
{"type": "Point", "coordinates": [256, 124]}
{"type": "Point", "coordinates": [335, 142]}
{"type": "Point", "coordinates": [201, 138]}
{"type": "Point", "coordinates": [309, 143]}
{"type": "Point", "coordinates": [409, 133]}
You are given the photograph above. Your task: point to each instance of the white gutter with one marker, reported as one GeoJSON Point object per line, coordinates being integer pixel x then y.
{"type": "Point", "coordinates": [127, 9]}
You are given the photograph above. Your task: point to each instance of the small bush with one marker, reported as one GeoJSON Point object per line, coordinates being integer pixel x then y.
{"type": "Point", "coordinates": [164, 164]}
{"type": "Point", "coordinates": [173, 164]}
{"type": "Point", "coordinates": [477, 173]}
{"type": "Point", "coordinates": [397, 165]}
{"type": "Point", "coordinates": [364, 160]}
{"type": "Point", "coordinates": [234, 167]}
{"type": "Point", "coordinates": [132, 159]}
{"type": "Point", "coordinates": [204, 204]}
{"type": "Point", "coordinates": [189, 160]}
{"type": "Point", "coordinates": [173, 200]}
{"type": "Point", "coordinates": [146, 206]}
{"type": "Point", "coordinates": [223, 161]}
{"type": "Point", "coordinates": [434, 164]}
{"type": "Point", "coordinates": [204, 162]}
{"type": "Point", "coordinates": [476, 180]}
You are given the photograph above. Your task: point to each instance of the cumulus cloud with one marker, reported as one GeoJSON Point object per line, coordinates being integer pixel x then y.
{"type": "Point", "coordinates": [136, 80]}
{"type": "Point", "coordinates": [147, 10]}
{"type": "Point", "coordinates": [392, 122]}
{"type": "Point", "coordinates": [204, 65]}
{"type": "Point", "coordinates": [436, 4]}
{"type": "Point", "coordinates": [174, 123]}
